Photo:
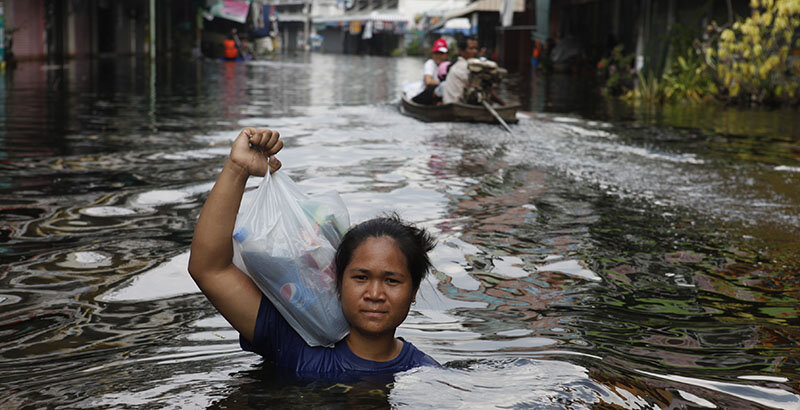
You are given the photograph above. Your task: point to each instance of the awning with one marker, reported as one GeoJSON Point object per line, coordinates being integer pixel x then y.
{"type": "Point", "coordinates": [292, 18]}
{"type": "Point", "coordinates": [361, 17]}
{"type": "Point", "coordinates": [461, 23]}
{"type": "Point", "coordinates": [232, 10]}
{"type": "Point", "coordinates": [456, 26]}
{"type": "Point", "coordinates": [480, 5]}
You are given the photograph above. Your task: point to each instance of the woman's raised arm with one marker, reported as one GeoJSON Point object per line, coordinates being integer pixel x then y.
{"type": "Point", "coordinates": [234, 295]}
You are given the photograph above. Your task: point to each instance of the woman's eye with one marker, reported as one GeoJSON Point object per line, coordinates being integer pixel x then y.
{"type": "Point", "coordinates": [392, 281]}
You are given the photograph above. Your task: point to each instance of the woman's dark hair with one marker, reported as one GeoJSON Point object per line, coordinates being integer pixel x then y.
{"type": "Point", "coordinates": [414, 242]}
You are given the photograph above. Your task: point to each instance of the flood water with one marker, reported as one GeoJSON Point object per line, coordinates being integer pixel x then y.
{"type": "Point", "coordinates": [601, 255]}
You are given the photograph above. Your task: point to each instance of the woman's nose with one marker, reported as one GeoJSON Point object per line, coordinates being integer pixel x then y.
{"type": "Point", "coordinates": [375, 290]}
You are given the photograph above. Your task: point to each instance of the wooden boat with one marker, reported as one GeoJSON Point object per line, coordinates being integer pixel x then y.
{"type": "Point", "coordinates": [457, 112]}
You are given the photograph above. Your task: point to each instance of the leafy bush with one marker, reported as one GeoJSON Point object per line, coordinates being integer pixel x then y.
{"type": "Point", "coordinates": [752, 61]}
{"type": "Point", "coordinates": [650, 89]}
{"type": "Point", "coordinates": [618, 71]}
{"type": "Point", "coordinates": [414, 47]}
{"type": "Point", "coordinates": [688, 79]}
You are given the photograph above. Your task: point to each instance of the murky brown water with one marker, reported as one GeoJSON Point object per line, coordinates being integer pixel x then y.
{"type": "Point", "coordinates": [601, 255]}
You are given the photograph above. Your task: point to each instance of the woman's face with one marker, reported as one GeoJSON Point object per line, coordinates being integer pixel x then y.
{"type": "Point", "coordinates": [439, 58]}
{"type": "Point", "coordinates": [377, 290]}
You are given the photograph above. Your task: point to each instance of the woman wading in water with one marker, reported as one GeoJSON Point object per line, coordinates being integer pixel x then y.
{"type": "Point", "coordinates": [380, 264]}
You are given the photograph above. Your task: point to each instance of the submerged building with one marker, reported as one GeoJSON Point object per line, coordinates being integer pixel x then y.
{"type": "Point", "coordinates": [57, 29]}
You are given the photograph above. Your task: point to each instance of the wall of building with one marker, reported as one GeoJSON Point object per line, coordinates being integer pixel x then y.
{"type": "Point", "coordinates": [27, 20]}
{"type": "Point", "coordinates": [332, 40]}
{"type": "Point", "coordinates": [58, 29]}
{"type": "Point", "coordinates": [80, 25]}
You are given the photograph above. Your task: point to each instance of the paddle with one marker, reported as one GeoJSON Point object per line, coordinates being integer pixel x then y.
{"type": "Point", "coordinates": [497, 116]}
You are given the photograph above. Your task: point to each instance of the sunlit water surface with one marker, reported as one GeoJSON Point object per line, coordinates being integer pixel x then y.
{"type": "Point", "coordinates": [606, 256]}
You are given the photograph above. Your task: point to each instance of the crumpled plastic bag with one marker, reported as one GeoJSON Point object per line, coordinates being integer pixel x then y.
{"type": "Point", "coordinates": [285, 241]}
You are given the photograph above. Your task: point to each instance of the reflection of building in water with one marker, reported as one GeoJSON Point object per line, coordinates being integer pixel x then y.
{"type": "Point", "coordinates": [499, 217]}
{"type": "Point", "coordinates": [362, 80]}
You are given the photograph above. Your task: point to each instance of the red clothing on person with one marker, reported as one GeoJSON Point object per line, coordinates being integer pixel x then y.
{"type": "Point", "coordinates": [229, 49]}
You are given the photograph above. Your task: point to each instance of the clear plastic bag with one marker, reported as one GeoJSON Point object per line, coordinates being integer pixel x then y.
{"type": "Point", "coordinates": [286, 241]}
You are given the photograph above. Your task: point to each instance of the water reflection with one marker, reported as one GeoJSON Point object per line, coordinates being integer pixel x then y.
{"type": "Point", "coordinates": [582, 262]}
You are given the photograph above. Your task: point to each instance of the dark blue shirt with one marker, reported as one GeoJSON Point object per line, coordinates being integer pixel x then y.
{"type": "Point", "coordinates": [275, 339]}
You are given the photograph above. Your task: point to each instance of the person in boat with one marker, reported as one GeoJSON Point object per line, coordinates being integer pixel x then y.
{"type": "Point", "coordinates": [430, 74]}
{"type": "Point", "coordinates": [380, 264]}
{"type": "Point", "coordinates": [458, 74]}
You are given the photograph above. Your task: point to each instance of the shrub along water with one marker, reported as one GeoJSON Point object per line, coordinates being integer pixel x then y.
{"type": "Point", "coordinates": [754, 61]}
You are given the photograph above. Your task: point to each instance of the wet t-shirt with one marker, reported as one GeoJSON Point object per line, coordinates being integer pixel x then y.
{"type": "Point", "coordinates": [276, 341]}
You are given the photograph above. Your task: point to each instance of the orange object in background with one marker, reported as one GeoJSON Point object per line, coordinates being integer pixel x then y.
{"type": "Point", "coordinates": [229, 49]}
{"type": "Point", "coordinates": [537, 49]}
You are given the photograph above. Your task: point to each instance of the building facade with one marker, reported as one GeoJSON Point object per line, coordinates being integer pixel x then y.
{"type": "Point", "coordinates": [294, 23]}
{"type": "Point", "coordinates": [55, 30]}
{"type": "Point", "coordinates": [371, 26]}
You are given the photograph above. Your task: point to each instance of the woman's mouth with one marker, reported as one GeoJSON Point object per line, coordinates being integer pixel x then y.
{"type": "Point", "coordinates": [373, 313]}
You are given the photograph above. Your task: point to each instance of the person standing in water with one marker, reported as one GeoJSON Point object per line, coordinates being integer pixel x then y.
{"type": "Point", "coordinates": [380, 264]}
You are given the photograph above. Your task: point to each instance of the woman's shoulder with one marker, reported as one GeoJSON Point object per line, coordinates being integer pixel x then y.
{"type": "Point", "coordinates": [416, 357]}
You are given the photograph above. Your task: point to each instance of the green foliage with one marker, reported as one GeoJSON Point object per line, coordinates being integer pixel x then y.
{"type": "Point", "coordinates": [752, 61]}
{"type": "Point", "coordinates": [397, 52]}
{"type": "Point", "coordinates": [756, 60]}
{"type": "Point", "coordinates": [414, 47]}
{"type": "Point", "coordinates": [689, 80]}
{"type": "Point", "coordinates": [618, 72]}
{"type": "Point", "coordinates": [650, 89]}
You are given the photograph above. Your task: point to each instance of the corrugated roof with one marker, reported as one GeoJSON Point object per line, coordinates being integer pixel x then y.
{"type": "Point", "coordinates": [483, 5]}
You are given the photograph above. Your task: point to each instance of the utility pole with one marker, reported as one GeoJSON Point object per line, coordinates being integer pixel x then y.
{"type": "Point", "coordinates": [2, 41]}
{"type": "Point", "coordinates": [152, 111]}
{"type": "Point", "coordinates": [152, 30]}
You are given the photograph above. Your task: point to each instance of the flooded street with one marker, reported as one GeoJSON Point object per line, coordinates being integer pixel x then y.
{"type": "Point", "coordinates": [602, 255]}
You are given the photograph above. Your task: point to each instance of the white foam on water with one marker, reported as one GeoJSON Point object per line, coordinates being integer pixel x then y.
{"type": "Point", "coordinates": [503, 384]}
{"type": "Point", "coordinates": [587, 133]}
{"type": "Point", "coordinates": [645, 153]}
{"type": "Point", "coordinates": [449, 258]}
{"type": "Point", "coordinates": [161, 197]}
{"type": "Point", "coordinates": [106, 211]}
{"type": "Point", "coordinates": [510, 267]}
{"type": "Point", "coordinates": [515, 332]}
{"type": "Point", "coordinates": [571, 268]}
{"type": "Point", "coordinates": [767, 396]}
{"type": "Point", "coordinates": [776, 379]}
{"type": "Point", "coordinates": [82, 260]}
{"type": "Point", "coordinates": [169, 279]}
{"type": "Point", "coordinates": [696, 400]}
{"type": "Point", "coordinates": [785, 168]}
{"type": "Point", "coordinates": [567, 119]}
